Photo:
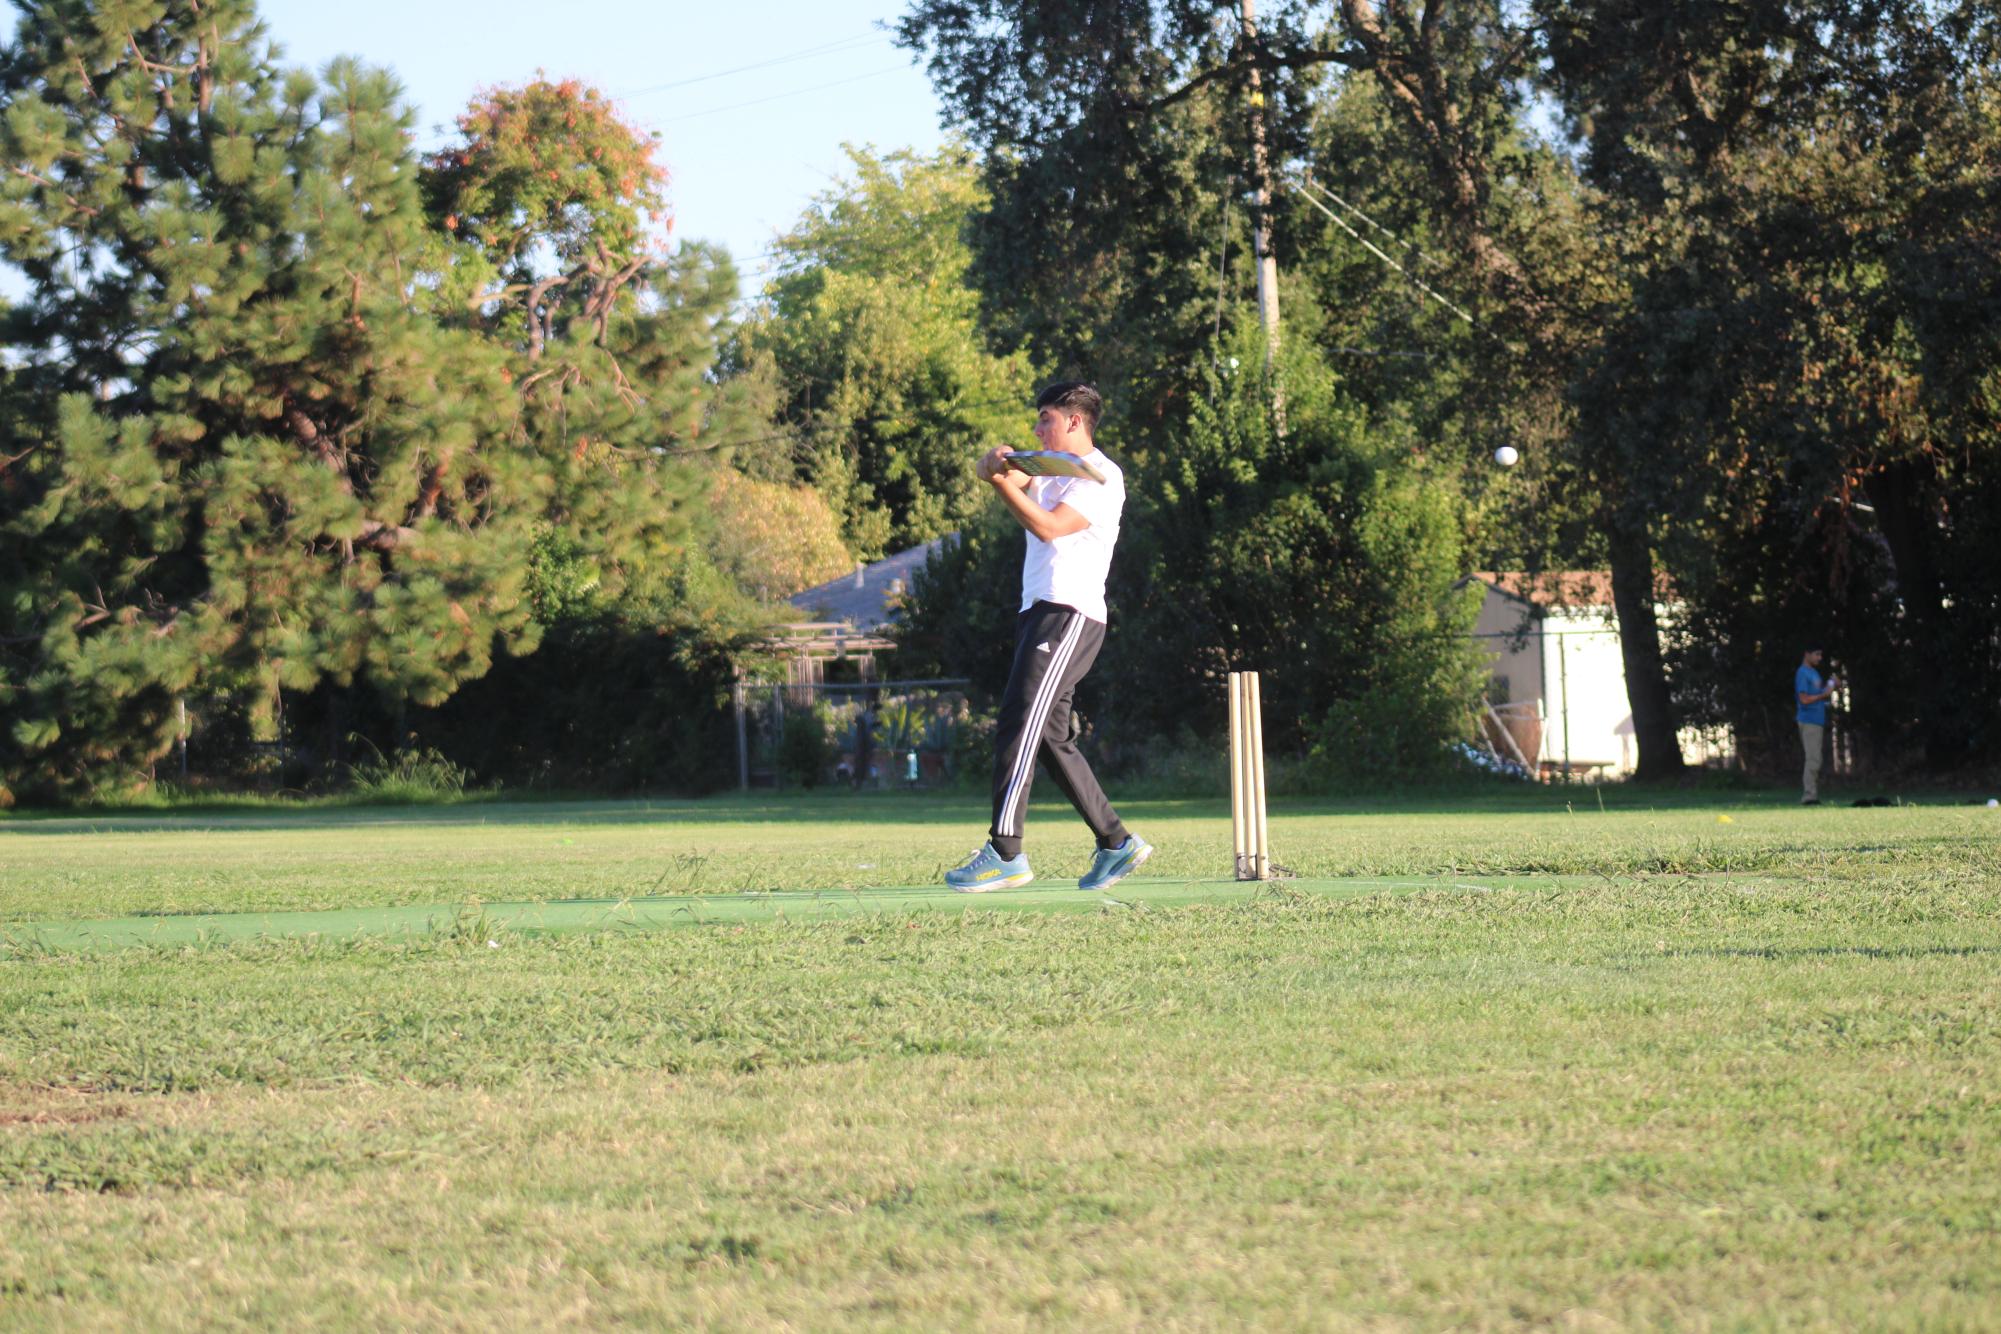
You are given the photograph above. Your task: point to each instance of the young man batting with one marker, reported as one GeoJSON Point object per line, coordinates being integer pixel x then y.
{"type": "Point", "coordinates": [1072, 525]}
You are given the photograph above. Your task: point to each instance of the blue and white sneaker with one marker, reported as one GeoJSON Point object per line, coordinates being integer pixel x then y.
{"type": "Point", "coordinates": [1112, 865]}
{"type": "Point", "coordinates": [989, 870]}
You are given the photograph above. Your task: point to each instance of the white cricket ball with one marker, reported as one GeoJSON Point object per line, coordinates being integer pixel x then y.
{"type": "Point", "coordinates": [1992, 802]}
{"type": "Point", "coordinates": [1506, 456]}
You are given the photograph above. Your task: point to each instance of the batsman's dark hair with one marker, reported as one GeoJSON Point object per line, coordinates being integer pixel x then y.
{"type": "Point", "coordinates": [1073, 396]}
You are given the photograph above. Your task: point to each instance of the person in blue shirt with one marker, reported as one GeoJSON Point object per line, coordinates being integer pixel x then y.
{"type": "Point", "coordinates": [1811, 694]}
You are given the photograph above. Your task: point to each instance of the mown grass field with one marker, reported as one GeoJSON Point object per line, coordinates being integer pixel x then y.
{"type": "Point", "coordinates": [1491, 1062]}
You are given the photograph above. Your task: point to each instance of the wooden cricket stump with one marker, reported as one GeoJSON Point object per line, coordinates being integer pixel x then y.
{"type": "Point", "coordinates": [1247, 778]}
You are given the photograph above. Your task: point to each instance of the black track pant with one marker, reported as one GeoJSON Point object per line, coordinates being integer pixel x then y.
{"type": "Point", "coordinates": [1054, 646]}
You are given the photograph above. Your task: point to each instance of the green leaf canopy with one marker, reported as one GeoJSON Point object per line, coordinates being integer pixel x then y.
{"type": "Point", "coordinates": [242, 457]}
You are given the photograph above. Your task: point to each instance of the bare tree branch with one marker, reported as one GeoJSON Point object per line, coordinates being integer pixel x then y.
{"type": "Point", "coordinates": [1262, 58]}
{"type": "Point", "coordinates": [1416, 81]}
{"type": "Point", "coordinates": [376, 535]}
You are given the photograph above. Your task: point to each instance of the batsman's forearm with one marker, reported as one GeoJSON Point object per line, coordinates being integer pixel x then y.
{"type": "Point", "coordinates": [1026, 512]}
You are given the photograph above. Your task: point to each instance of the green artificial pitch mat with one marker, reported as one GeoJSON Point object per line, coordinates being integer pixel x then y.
{"type": "Point", "coordinates": [696, 910]}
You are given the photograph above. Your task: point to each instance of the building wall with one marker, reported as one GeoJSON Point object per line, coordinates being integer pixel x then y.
{"type": "Point", "coordinates": [1517, 661]}
{"type": "Point", "coordinates": [1589, 721]}
{"type": "Point", "coordinates": [1570, 666]}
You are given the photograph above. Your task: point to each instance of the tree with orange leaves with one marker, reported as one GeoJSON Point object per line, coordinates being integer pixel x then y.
{"type": "Point", "coordinates": [552, 214]}
{"type": "Point", "coordinates": [550, 195]}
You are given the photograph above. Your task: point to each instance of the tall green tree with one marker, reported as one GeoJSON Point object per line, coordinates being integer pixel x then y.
{"type": "Point", "coordinates": [1809, 196]}
{"type": "Point", "coordinates": [885, 383]}
{"type": "Point", "coordinates": [245, 463]}
{"type": "Point", "coordinates": [249, 455]}
{"type": "Point", "coordinates": [645, 572]}
{"type": "Point", "coordinates": [548, 212]}
{"type": "Point", "coordinates": [1377, 257]}
{"type": "Point", "coordinates": [1457, 81]}
{"type": "Point", "coordinates": [1324, 556]}
{"type": "Point", "coordinates": [1115, 140]}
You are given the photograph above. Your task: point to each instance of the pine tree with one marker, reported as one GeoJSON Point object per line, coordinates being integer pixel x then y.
{"type": "Point", "coordinates": [547, 212]}
{"type": "Point", "coordinates": [242, 458]}
{"type": "Point", "coordinates": [553, 207]}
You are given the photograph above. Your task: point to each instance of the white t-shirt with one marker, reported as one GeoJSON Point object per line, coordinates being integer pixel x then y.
{"type": "Point", "coordinates": [1072, 569]}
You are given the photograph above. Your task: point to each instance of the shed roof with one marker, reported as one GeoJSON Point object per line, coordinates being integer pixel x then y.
{"type": "Point", "coordinates": [871, 597]}
{"type": "Point", "coordinates": [1551, 588]}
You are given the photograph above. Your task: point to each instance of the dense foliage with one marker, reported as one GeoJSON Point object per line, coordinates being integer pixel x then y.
{"type": "Point", "coordinates": [237, 460]}
{"type": "Point", "coordinates": [1800, 376]}
{"type": "Point", "coordinates": [309, 443]}
{"type": "Point", "coordinates": [774, 539]}
{"type": "Point", "coordinates": [1738, 311]}
{"type": "Point", "coordinates": [871, 333]}
{"type": "Point", "coordinates": [627, 692]}
{"type": "Point", "coordinates": [271, 429]}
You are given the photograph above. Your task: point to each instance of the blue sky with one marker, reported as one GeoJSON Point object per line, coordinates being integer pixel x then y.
{"type": "Point", "coordinates": [746, 148]}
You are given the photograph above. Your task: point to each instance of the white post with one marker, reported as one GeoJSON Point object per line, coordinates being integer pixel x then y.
{"type": "Point", "coordinates": [1240, 864]}
{"type": "Point", "coordinates": [742, 740]}
{"type": "Point", "coordinates": [1563, 683]}
{"type": "Point", "coordinates": [1261, 839]}
{"type": "Point", "coordinates": [1262, 192]}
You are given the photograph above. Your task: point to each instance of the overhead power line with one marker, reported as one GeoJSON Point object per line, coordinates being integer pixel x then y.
{"type": "Point", "coordinates": [1372, 248]}
{"type": "Point", "coordinates": [790, 92]}
{"type": "Point", "coordinates": [845, 44]}
{"type": "Point", "coordinates": [1350, 208]}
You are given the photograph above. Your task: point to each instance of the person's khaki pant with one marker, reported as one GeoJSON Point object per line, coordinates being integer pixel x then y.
{"type": "Point", "coordinates": [1811, 741]}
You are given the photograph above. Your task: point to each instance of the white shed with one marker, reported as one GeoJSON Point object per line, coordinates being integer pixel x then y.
{"type": "Point", "coordinates": [1555, 643]}
{"type": "Point", "coordinates": [1555, 646]}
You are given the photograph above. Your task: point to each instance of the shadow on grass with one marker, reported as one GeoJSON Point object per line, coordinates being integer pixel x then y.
{"type": "Point", "coordinates": [898, 808]}
{"type": "Point", "coordinates": [904, 808]}
{"type": "Point", "coordinates": [1837, 951]}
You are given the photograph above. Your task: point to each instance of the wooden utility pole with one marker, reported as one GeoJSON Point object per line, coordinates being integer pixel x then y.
{"type": "Point", "coordinates": [1262, 194]}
